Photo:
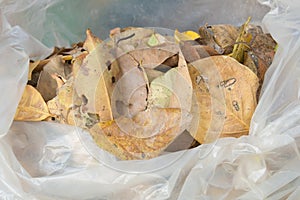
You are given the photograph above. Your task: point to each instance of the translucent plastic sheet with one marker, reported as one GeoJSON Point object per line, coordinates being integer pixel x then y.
{"type": "Point", "coordinates": [48, 161]}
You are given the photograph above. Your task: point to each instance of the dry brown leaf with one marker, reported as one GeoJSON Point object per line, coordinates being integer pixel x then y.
{"type": "Point", "coordinates": [127, 140]}
{"type": "Point", "coordinates": [32, 106]}
{"type": "Point", "coordinates": [131, 38]}
{"type": "Point", "coordinates": [261, 53]}
{"type": "Point", "coordinates": [253, 61]}
{"type": "Point", "coordinates": [147, 57]}
{"type": "Point", "coordinates": [91, 84]}
{"type": "Point", "coordinates": [182, 142]}
{"type": "Point", "coordinates": [225, 36]}
{"type": "Point", "coordinates": [220, 37]}
{"type": "Point", "coordinates": [53, 75]}
{"type": "Point", "coordinates": [91, 41]}
{"type": "Point", "coordinates": [132, 83]}
{"type": "Point", "coordinates": [65, 100]}
{"type": "Point", "coordinates": [263, 46]}
{"type": "Point", "coordinates": [32, 66]}
{"type": "Point", "coordinates": [192, 51]}
{"type": "Point", "coordinates": [230, 117]}
{"type": "Point", "coordinates": [77, 63]}
{"type": "Point", "coordinates": [47, 85]}
{"type": "Point", "coordinates": [152, 74]}
{"type": "Point", "coordinates": [130, 93]}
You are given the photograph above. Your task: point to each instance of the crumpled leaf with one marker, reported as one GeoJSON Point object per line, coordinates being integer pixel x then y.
{"type": "Point", "coordinates": [32, 106]}
{"type": "Point", "coordinates": [132, 87]}
{"type": "Point", "coordinates": [65, 100]}
{"type": "Point", "coordinates": [236, 83]}
{"type": "Point", "coordinates": [220, 37]}
{"type": "Point", "coordinates": [54, 73]}
{"type": "Point", "coordinates": [127, 140]}
{"type": "Point", "coordinates": [263, 46]}
{"type": "Point", "coordinates": [260, 52]}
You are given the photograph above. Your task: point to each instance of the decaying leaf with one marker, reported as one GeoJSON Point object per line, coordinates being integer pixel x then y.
{"type": "Point", "coordinates": [236, 83]}
{"type": "Point", "coordinates": [32, 106]}
{"type": "Point", "coordinates": [263, 46]}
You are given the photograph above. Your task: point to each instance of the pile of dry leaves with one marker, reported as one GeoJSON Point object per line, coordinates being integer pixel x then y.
{"type": "Point", "coordinates": [138, 91]}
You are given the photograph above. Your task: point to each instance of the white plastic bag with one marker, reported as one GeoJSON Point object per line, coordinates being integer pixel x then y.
{"type": "Point", "coordinates": [48, 161]}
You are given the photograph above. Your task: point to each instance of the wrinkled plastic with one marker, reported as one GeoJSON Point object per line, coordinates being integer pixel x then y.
{"type": "Point", "coordinates": [48, 161]}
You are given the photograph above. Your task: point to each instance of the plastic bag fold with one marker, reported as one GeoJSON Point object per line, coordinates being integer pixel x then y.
{"type": "Point", "coordinates": [49, 161]}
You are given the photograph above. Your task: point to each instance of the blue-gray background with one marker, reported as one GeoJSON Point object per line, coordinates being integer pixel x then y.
{"type": "Point", "coordinates": [61, 22]}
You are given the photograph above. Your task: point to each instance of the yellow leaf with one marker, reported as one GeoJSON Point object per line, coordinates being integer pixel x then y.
{"type": "Point", "coordinates": [216, 77]}
{"type": "Point", "coordinates": [32, 106]}
{"type": "Point", "coordinates": [185, 36]}
{"type": "Point", "coordinates": [192, 35]}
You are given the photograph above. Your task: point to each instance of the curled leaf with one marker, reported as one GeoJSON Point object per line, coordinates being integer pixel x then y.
{"type": "Point", "coordinates": [220, 37]}
{"type": "Point", "coordinates": [32, 66]}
